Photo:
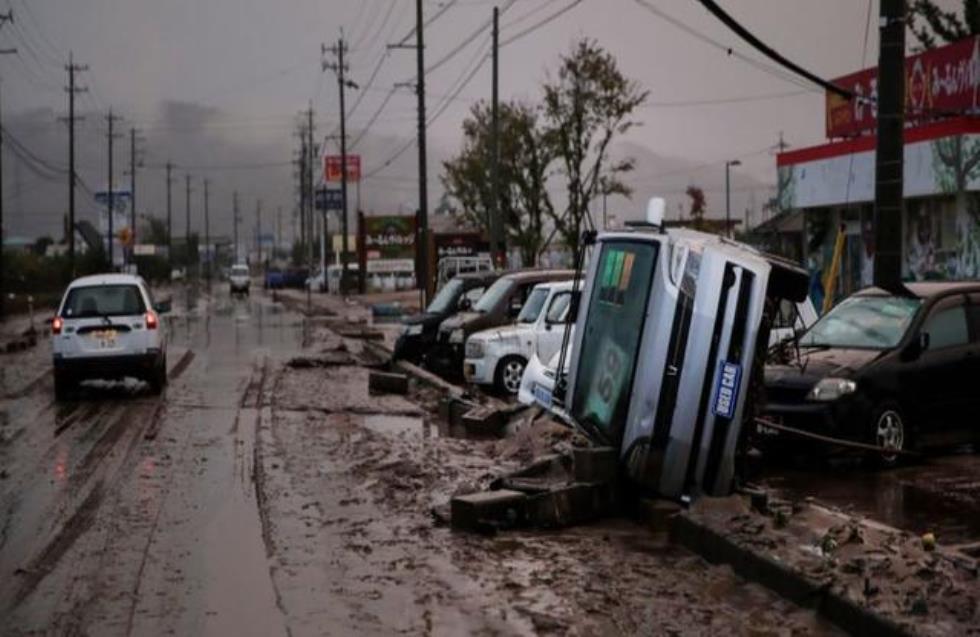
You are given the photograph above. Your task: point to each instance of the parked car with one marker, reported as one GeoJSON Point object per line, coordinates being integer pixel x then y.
{"type": "Point", "coordinates": [458, 295]}
{"type": "Point", "coordinates": [334, 273]}
{"type": "Point", "coordinates": [295, 277]}
{"type": "Point", "coordinates": [239, 279]}
{"type": "Point", "coordinates": [894, 370]}
{"type": "Point", "coordinates": [107, 326]}
{"type": "Point", "coordinates": [499, 305]}
{"type": "Point", "coordinates": [317, 282]}
{"type": "Point", "coordinates": [669, 338]}
{"type": "Point", "coordinates": [497, 357]}
{"type": "Point", "coordinates": [274, 279]}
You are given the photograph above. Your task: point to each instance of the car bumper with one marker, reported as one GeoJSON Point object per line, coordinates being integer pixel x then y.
{"type": "Point", "coordinates": [108, 366]}
{"type": "Point", "coordinates": [845, 419]}
{"type": "Point", "coordinates": [479, 371]}
{"type": "Point", "coordinates": [445, 359]}
{"type": "Point", "coordinates": [412, 348]}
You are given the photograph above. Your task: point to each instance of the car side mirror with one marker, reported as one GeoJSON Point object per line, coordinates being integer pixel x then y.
{"type": "Point", "coordinates": [465, 304]}
{"type": "Point", "coordinates": [162, 307]}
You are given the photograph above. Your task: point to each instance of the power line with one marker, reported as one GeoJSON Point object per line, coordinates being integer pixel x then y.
{"type": "Point", "coordinates": [769, 52]}
{"type": "Point", "coordinates": [541, 23]}
{"type": "Point", "coordinates": [438, 14]}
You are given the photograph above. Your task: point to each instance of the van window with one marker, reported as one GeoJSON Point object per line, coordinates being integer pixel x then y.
{"type": "Point", "coordinates": [533, 306]}
{"type": "Point", "coordinates": [617, 309]}
{"type": "Point", "coordinates": [558, 310]}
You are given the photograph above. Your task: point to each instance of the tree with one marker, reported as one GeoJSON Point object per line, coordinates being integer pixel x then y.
{"type": "Point", "coordinates": [586, 106]}
{"type": "Point", "coordinates": [698, 206]}
{"type": "Point", "coordinates": [524, 157]}
{"type": "Point", "coordinates": [154, 231]}
{"type": "Point", "coordinates": [927, 22]}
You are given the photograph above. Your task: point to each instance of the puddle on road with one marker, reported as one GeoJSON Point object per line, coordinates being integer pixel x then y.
{"type": "Point", "coordinates": [940, 495]}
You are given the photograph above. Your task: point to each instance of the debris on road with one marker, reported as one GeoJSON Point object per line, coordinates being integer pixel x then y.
{"type": "Point", "coordinates": [387, 383]}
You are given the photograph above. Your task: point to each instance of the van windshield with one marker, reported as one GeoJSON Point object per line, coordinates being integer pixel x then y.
{"type": "Point", "coordinates": [240, 270]}
{"type": "Point", "coordinates": [494, 295]}
{"type": "Point", "coordinates": [103, 300]}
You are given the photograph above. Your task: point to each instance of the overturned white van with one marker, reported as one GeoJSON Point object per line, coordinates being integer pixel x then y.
{"type": "Point", "coordinates": [670, 336]}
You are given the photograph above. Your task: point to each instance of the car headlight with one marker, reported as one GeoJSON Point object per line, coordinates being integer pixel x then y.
{"type": "Point", "coordinates": [475, 349]}
{"type": "Point", "coordinates": [412, 330]}
{"type": "Point", "coordinates": [830, 389]}
{"type": "Point", "coordinates": [456, 336]}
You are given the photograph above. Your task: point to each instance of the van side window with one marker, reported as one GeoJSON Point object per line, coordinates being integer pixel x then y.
{"type": "Point", "coordinates": [974, 313]}
{"type": "Point", "coordinates": [947, 326]}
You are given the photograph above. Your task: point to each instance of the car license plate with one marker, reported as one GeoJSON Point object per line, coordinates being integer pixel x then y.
{"type": "Point", "coordinates": [542, 395]}
{"type": "Point", "coordinates": [106, 339]}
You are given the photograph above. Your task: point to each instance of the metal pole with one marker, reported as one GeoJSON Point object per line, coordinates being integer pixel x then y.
{"type": "Point", "coordinates": [187, 226]}
{"type": "Point", "coordinates": [423, 248]}
{"type": "Point", "coordinates": [341, 71]}
{"type": "Point", "coordinates": [496, 248]}
{"type": "Point", "coordinates": [234, 206]}
{"type": "Point", "coordinates": [890, 146]}
{"type": "Point", "coordinates": [728, 200]}
{"type": "Point", "coordinates": [170, 220]}
{"type": "Point", "coordinates": [132, 192]}
{"type": "Point", "coordinates": [111, 206]}
{"type": "Point", "coordinates": [207, 234]}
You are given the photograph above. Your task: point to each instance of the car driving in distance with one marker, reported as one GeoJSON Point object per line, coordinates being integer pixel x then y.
{"type": "Point", "coordinates": [891, 369]}
{"type": "Point", "coordinates": [499, 305]}
{"type": "Point", "coordinates": [497, 357]}
{"type": "Point", "coordinates": [459, 294]}
{"type": "Point", "coordinates": [239, 279]}
{"type": "Point", "coordinates": [108, 327]}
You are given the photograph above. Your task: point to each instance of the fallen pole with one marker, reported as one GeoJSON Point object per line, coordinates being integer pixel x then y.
{"type": "Point", "coordinates": [835, 441]}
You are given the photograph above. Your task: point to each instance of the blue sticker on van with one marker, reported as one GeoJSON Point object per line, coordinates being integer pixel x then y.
{"type": "Point", "coordinates": [726, 389]}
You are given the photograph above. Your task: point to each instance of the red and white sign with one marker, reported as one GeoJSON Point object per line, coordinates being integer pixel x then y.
{"type": "Point", "coordinates": [940, 82]}
{"type": "Point", "coordinates": [333, 173]}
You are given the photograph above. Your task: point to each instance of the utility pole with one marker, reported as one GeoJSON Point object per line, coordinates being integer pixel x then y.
{"type": "Point", "coordinates": [728, 195]}
{"type": "Point", "coordinates": [187, 225]}
{"type": "Point", "coordinates": [234, 210]}
{"type": "Point", "coordinates": [134, 163]}
{"type": "Point", "coordinates": [72, 90]}
{"type": "Point", "coordinates": [279, 227]}
{"type": "Point", "coordinates": [258, 229]}
{"type": "Point", "coordinates": [3, 19]}
{"type": "Point", "coordinates": [311, 153]}
{"type": "Point", "coordinates": [170, 221]}
{"type": "Point", "coordinates": [890, 146]}
{"type": "Point", "coordinates": [497, 248]}
{"type": "Point", "coordinates": [110, 136]}
{"type": "Point", "coordinates": [207, 233]}
{"type": "Point", "coordinates": [343, 83]}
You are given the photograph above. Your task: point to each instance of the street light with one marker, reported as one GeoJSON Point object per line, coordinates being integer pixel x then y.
{"type": "Point", "coordinates": [728, 195]}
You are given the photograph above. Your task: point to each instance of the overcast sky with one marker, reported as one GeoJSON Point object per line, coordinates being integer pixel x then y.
{"type": "Point", "coordinates": [256, 64]}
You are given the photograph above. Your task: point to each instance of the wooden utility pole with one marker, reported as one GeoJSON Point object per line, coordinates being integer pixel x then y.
{"type": "Point", "coordinates": [497, 247]}
{"type": "Point", "coordinates": [889, 159]}
{"type": "Point", "coordinates": [132, 192]}
{"type": "Point", "coordinates": [3, 19]}
{"type": "Point", "coordinates": [187, 220]}
{"type": "Point", "coordinates": [110, 136]}
{"type": "Point", "coordinates": [207, 233]}
{"type": "Point", "coordinates": [343, 84]}
{"type": "Point", "coordinates": [170, 221]}
{"type": "Point", "coordinates": [72, 90]}
{"type": "Point", "coordinates": [234, 221]}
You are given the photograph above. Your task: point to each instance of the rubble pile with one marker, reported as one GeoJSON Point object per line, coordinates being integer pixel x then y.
{"type": "Point", "coordinates": [897, 580]}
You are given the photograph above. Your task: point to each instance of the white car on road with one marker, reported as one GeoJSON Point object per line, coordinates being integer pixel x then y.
{"type": "Point", "coordinates": [239, 279]}
{"type": "Point", "coordinates": [108, 327]}
{"type": "Point", "coordinates": [498, 356]}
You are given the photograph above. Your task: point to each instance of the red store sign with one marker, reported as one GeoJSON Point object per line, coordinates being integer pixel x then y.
{"type": "Point", "coordinates": [940, 82]}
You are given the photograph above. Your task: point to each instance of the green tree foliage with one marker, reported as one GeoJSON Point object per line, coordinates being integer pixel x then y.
{"type": "Point", "coordinates": [932, 26]}
{"type": "Point", "coordinates": [586, 106]}
{"type": "Point", "coordinates": [524, 157]}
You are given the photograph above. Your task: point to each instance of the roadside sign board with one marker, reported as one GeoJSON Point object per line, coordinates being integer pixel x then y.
{"type": "Point", "coordinates": [333, 171]}
{"type": "Point", "coordinates": [329, 199]}
{"type": "Point", "coordinates": [389, 237]}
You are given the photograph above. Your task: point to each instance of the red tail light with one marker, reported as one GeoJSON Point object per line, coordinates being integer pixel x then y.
{"type": "Point", "coordinates": [56, 324]}
{"type": "Point", "coordinates": [151, 321]}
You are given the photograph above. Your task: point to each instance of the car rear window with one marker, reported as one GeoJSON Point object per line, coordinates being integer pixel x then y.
{"type": "Point", "coordinates": [240, 270]}
{"type": "Point", "coordinates": [103, 300]}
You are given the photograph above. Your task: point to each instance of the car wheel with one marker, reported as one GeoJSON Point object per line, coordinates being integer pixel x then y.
{"type": "Point", "coordinates": [158, 378]}
{"type": "Point", "coordinates": [507, 379]}
{"type": "Point", "coordinates": [890, 431]}
{"type": "Point", "coordinates": [63, 386]}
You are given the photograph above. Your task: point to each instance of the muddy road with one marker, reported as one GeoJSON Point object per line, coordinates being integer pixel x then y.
{"type": "Point", "coordinates": [259, 498]}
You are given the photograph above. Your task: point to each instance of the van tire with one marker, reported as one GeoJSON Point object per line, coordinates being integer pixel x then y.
{"type": "Point", "coordinates": [507, 377]}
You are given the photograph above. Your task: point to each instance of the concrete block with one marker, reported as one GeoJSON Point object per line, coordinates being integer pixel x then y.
{"type": "Point", "coordinates": [563, 506]}
{"type": "Point", "coordinates": [387, 383]}
{"type": "Point", "coordinates": [499, 509]}
{"type": "Point", "coordinates": [483, 422]}
{"type": "Point", "coordinates": [595, 464]}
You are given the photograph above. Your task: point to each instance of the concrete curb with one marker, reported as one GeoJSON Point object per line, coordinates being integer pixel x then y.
{"type": "Point", "coordinates": [778, 577]}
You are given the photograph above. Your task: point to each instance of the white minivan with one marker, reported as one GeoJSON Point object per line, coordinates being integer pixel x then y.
{"type": "Point", "coordinates": [108, 327]}
{"type": "Point", "coordinates": [499, 355]}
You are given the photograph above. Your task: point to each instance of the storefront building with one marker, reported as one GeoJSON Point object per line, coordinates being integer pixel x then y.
{"type": "Point", "coordinates": [832, 184]}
